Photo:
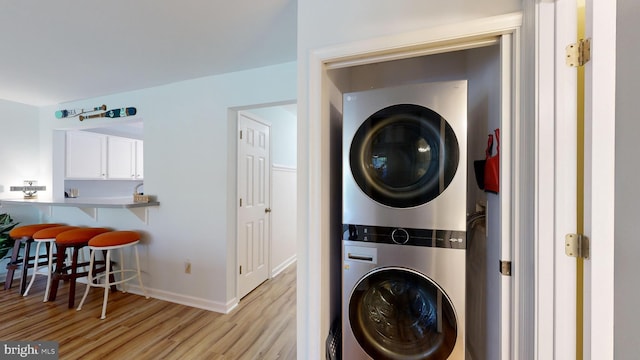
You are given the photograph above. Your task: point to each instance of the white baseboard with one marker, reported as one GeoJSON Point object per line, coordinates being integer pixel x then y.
{"type": "Point", "coordinates": [280, 268]}
{"type": "Point", "coordinates": [191, 301]}
{"type": "Point", "coordinates": [223, 308]}
{"type": "Point", "coordinates": [160, 295]}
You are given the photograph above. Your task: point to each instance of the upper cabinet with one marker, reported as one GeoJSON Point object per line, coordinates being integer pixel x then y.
{"type": "Point", "coordinates": [86, 155]}
{"type": "Point", "coordinates": [91, 156]}
{"type": "Point", "coordinates": [121, 158]}
{"type": "Point", "coordinates": [139, 159]}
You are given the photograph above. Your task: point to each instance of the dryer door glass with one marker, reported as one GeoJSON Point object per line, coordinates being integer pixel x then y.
{"type": "Point", "coordinates": [398, 313]}
{"type": "Point", "coordinates": [404, 155]}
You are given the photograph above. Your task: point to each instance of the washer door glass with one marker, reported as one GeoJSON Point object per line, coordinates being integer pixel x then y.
{"type": "Point", "coordinates": [404, 155]}
{"type": "Point", "coordinates": [398, 313]}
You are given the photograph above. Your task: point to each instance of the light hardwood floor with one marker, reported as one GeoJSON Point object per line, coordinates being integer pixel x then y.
{"type": "Point", "coordinates": [263, 326]}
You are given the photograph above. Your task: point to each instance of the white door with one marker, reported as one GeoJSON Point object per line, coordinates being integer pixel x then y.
{"type": "Point", "coordinates": [254, 188]}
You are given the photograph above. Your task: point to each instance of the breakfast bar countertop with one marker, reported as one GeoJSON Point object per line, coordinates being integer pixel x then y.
{"type": "Point", "coordinates": [98, 202]}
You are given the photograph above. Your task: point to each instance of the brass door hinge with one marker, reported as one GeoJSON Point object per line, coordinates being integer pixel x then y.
{"type": "Point", "coordinates": [576, 245]}
{"type": "Point", "coordinates": [505, 268]}
{"type": "Point", "coordinates": [579, 53]}
{"type": "Point", "coordinates": [240, 269]}
{"type": "Point", "coordinates": [240, 134]}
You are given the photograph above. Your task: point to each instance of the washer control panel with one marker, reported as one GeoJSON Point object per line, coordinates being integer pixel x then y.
{"type": "Point", "coordinates": [405, 236]}
{"type": "Point", "coordinates": [400, 236]}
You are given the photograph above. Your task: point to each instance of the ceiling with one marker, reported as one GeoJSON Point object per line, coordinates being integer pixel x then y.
{"type": "Point", "coordinates": [65, 50]}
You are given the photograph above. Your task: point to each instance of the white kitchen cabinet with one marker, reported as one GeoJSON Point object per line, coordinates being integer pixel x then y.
{"type": "Point", "coordinates": [92, 156]}
{"type": "Point", "coordinates": [86, 155]}
{"type": "Point", "coordinates": [121, 158]}
{"type": "Point", "coordinates": [139, 160]}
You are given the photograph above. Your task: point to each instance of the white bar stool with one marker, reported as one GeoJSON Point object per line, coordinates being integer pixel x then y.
{"type": "Point", "coordinates": [22, 235]}
{"type": "Point", "coordinates": [113, 240]}
{"type": "Point", "coordinates": [45, 236]}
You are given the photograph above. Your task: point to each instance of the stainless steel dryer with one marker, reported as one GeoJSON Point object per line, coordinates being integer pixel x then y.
{"type": "Point", "coordinates": [404, 222]}
{"type": "Point", "coordinates": [404, 156]}
{"type": "Point", "coordinates": [403, 301]}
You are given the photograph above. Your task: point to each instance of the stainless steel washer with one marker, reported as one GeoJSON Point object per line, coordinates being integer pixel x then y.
{"type": "Point", "coordinates": [403, 301]}
{"type": "Point", "coordinates": [404, 156]}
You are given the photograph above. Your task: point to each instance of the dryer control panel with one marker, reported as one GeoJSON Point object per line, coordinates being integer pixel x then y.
{"type": "Point", "coordinates": [405, 236]}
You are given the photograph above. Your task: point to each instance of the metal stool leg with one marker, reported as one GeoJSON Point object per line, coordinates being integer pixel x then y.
{"type": "Point", "coordinates": [50, 273]}
{"type": "Point", "coordinates": [36, 267]}
{"type": "Point", "coordinates": [90, 278]}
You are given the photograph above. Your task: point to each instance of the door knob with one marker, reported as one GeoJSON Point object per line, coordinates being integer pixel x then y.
{"type": "Point", "coordinates": [267, 210]}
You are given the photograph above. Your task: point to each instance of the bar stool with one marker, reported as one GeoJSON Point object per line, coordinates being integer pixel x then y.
{"type": "Point", "coordinates": [75, 240]}
{"type": "Point", "coordinates": [112, 241]}
{"type": "Point", "coordinates": [46, 236]}
{"type": "Point", "coordinates": [22, 235]}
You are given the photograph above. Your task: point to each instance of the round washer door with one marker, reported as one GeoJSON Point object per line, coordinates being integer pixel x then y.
{"type": "Point", "coordinates": [404, 155]}
{"type": "Point", "coordinates": [398, 313]}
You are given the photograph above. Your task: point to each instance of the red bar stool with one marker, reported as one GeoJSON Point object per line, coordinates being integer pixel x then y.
{"type": "Point", "coordinates": [46, 236]}
{"type": "Point", "coordinates": [75, 240]}
{"type": "Point", "coordinates": [22, 235]}
{"type": "Point", "coordinates": [113, 240]}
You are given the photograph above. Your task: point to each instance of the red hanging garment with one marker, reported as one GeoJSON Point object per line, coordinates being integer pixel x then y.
{"type": "Point", "coordinates": [492, 166]}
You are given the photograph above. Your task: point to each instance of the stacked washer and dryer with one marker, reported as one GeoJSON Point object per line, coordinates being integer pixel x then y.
{"type": "Point", "coordinates": [404, 222]}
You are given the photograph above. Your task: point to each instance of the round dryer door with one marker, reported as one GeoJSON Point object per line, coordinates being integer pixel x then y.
{"type": "Point", "coordinates": [398, 313]}
{"type": "Point", "coordinates": [404, 155]}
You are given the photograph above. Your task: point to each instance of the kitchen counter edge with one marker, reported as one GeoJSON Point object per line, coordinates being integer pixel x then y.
{"type": "Point", "coordinates": [121, 202]}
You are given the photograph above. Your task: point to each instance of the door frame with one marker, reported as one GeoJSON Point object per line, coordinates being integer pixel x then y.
{"type": "Point", "coordinates": [556, 171]}
{"type": "Point", "coordinates": [556, 148]}
{"type": "Point", "coordinates": [314, 284]}
{"type": "Point", "coordinates": [600, 128]}
{"type": "Point", "coordinates": [248, 114]}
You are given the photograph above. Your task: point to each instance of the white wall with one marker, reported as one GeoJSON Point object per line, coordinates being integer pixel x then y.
{"type": "Point", "coordinates": [19, 153]}
{"type": "Point", "coordinates": [344, 22]}
{"type": "Point", "coordinates": [484, 116]}
{"type": "Point", "coordinates": [283, 218]}
{"type": "Point", "coordinates": [190, 161]}
{"type": "Point", "coordinates": [283, 133]}
{"type": "Point", "coordinates": [627, 196]}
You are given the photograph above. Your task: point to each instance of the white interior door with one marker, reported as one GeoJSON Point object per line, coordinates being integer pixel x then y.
{"type": "Point", "coordinates": [254, 188]}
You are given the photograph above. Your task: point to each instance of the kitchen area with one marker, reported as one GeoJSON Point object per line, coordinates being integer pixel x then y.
{"type": "Point", "coordinates": [187, 131]}
{"type": "Point", "coordinates": [99, 167]}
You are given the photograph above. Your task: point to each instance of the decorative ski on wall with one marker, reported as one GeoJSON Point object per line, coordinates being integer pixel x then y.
{"type": "Point", "coordinates": [113, 113]}
{"type": "Point", "coordinates": [74, 112]}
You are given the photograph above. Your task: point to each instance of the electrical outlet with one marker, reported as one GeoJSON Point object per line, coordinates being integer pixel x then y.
{"type": "Point", "coordinates": [187, 267]}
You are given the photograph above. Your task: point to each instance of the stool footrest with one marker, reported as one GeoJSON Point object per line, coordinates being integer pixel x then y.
{"type": "Point", "coordinates": [108, 242]}
{"type": "Point", "coordinates": [121, 273]}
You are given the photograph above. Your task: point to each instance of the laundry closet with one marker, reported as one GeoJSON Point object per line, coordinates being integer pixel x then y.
{"type": "Point", "coordinates": [479, 68]}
